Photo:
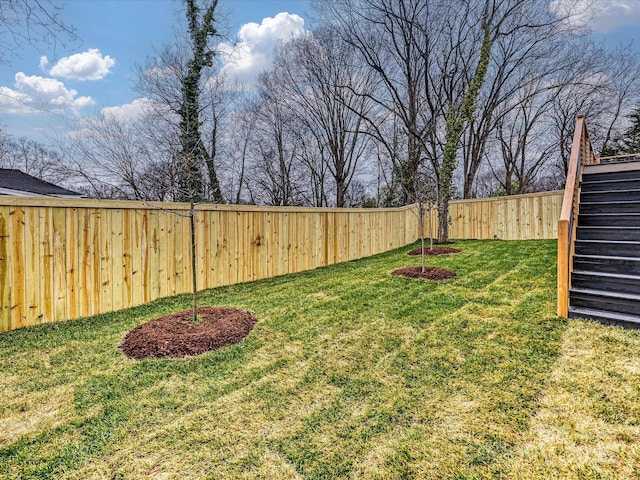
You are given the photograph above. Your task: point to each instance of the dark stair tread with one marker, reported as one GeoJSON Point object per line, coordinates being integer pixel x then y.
{"type": "Point", "coordinates": [621, 242]}
{"type": "Point", "coordinates": [619, 248]}
{"type": "Point", "coordinates": [620, 207]}
{"type": "Point", "coordinates": [613, 202]}
{"type": "Point", "coordinates": [626, 195]}
{"type": "Point", "coordinates": [594, 184]}
{"type": "Point", "coordinates": [604, 293]}
{"type": "Point", "coordinates": [605, 233]}
{"type": "Point", "coordinates": [611, 281]}
{"type": "Point", "coordinates": [609, 229]}
{"type": "Point", "coordinates": [613, 192]}
{"type": "Point", "coordinates": [609, 214]}
{"type": "Point", "coordinates": [587, 256]}
{"type": "Point", "coordinates": [622, 276]}
{"type": "Point", "coordinates": [609, 219]}
{"type": "Point", "coordinates": [594, 179]}
{"type": "Point", "coordinates": [604, 316]}
{"type": "Point", "coordinates": [593, 262]}
{"type": "Point", "coordinates": [597, 178]}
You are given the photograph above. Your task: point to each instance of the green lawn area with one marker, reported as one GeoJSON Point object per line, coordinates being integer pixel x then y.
{"type": "Point", "coordinates": [349, 373]}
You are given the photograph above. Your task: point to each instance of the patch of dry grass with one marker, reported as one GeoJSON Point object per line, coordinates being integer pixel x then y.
{"type": "Point", "coordinates": [54, 407]}
{"type": "Point", "coordinates": [588, 423]}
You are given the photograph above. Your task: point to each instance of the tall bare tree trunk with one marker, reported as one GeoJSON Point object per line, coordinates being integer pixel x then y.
{"type": "Point", "coordinates": [456, 121]}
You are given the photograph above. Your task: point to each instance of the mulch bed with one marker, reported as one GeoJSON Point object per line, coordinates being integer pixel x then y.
{"type": "Point", "coordinates": [430, 273]}
{"type": "Point", "coordinates": [176, 335]}
{"type": "Point", "coordinates": [434, 251]}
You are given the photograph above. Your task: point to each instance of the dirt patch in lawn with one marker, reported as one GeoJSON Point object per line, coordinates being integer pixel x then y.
{"type": "Point", "coordinates": [434, 251]}
{"type": "Point", "coordinates": [176, 335]}
{"type": "Point", "coordinates": [430, 273]}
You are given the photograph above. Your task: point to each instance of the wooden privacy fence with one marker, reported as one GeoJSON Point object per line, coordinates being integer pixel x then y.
{"type": "Point", "coordinates": [518, 217]}
{"type": "Point", "coordinates": [65, 259]}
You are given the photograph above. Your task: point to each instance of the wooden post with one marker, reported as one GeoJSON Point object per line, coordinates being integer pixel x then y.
{"type": "Point", "coordinates": [563, 268]}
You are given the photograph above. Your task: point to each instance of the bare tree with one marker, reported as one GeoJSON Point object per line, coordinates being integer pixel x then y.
{"type": "Point", "coordinates": [178, 81]}
{"type": "Point", "coordinates": [524, 145]}
{"type": "Point", "coordinates": [459, 115]}
{"type": "Point", "coordinates": [238, 141]}
{"type": "Point", "coordinates": [328, 93]}
{"type": "Point", "coordinates": [30, 22]}
{"type": "Point", "coordinates": [629, 142]}
{"type": "Point", "coordinates": [385, 34]}
{"type": "Point", "coordinates": [120, 158]}
{"type": "Point", "coordinates": [275, 145]}
{"type": "Point", "coordinates": [315, 170]}
{"type": "Point", "coordinates": [191, 99]}
{"type": "Point", "coordinates": [194, 155]}
{"type": "Point", "coordinates": [531, 53]}
{"type": "Point", "coordinates": [32, 158]}
{"type": "Point", "coordinates": [422, 205]}
{"type": "Point", "coordinates": [431, 59]}
{"type": "Point", "coordinates": [622, 77]}
{"type": "Point", "coordinates": [604, 88]}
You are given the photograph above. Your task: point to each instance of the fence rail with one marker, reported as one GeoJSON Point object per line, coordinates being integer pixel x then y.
{"type": "Point", "coordinates": [64, 259]}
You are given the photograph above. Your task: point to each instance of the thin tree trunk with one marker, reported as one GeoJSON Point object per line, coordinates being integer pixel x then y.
{"type": "Point", "coordinates": [424, 255]}
{"type": "Point", "coordinates": [456, 121]}
{"type": "Point", "coordinates": [443, 221]}
{"type": "Point", "coordinates": [194, 275]}
{"type": "Point", "coordinates": [430, 227]}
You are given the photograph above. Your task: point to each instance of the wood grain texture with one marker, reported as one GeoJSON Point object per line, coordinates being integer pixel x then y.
{"type": "Point", "coordinates": [5, 270]}
{"type": "Point", "coordinates": [581, 154]}
{"type": "Point", "coordinates": [62, 259]}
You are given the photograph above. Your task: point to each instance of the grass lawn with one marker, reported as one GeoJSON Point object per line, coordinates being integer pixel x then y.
{"type": "Point", "coordinates": [349, 373]}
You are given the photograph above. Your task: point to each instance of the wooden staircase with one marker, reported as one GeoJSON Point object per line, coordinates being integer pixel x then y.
{"type": "Point", "coordinates": [605, 278]}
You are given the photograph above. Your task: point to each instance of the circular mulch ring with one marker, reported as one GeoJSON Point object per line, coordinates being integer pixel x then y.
{"type": "Point", "coordinates": [176, 335]}
{"type": "Point", "coordinates": [430, 273]}
{"type": "Point", "coordinates": [434, 251]}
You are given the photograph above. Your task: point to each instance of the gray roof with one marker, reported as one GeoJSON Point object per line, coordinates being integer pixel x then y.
{"type": "Point", "coordinates": [17, 180]}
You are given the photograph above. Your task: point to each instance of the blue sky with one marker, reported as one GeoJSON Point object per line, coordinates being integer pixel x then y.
{"type": "Point", "coordinates": [54, 85]}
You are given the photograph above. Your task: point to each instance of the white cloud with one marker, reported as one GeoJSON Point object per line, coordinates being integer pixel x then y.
{"type": "Point", "coordinates": [44, 61]}
{"type": "Point", "coordinates": [598, 15]}
{"type": "Point", "coordinates": [34, 94]}
{"type": "Point", "coordinates": [14, 102]}
{"type": "Point", "coordinates": [89, 65]}
{"type": "Point", "coordinates": [129, 111]}
{"type": "Point", "coordinates": [254, 51]}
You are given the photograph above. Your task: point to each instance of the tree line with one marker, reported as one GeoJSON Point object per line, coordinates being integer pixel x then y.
{"type": "Point", "coordinates": [385, 102]}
